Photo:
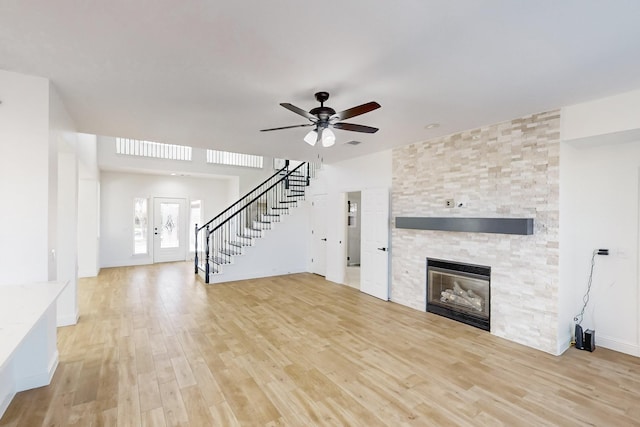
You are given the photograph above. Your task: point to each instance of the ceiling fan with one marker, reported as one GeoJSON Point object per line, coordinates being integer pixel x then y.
{"type": "Point", "coordinates": [324, 118]}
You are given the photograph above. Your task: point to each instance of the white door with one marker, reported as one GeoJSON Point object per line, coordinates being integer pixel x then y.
{"type": "Point", "coordinates": [319, 235]}
{"type": "Point", "coordinates": [374, 252]}
{"type": "Point", "coordinates": [169, 231]}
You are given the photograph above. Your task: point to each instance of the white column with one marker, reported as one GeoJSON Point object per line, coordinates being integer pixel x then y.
{"type": "Point", "coordinates": [67, 255]}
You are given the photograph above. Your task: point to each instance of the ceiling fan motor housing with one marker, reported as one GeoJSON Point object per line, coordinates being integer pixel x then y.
{"type": "Point", "coordinates": [322, 113]}
{"type": "Point", "coordinates": [324, 117]}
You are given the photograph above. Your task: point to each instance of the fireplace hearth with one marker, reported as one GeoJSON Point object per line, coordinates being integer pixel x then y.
{"type": "Point", "coordinates": [460, 292]}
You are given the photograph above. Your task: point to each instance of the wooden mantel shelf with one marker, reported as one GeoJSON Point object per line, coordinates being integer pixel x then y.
{"type": "Point", "coordinates": [522, 226]}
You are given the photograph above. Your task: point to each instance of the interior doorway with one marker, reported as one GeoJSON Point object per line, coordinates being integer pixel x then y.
{"type": "Point", "coordinates": [353, 213]}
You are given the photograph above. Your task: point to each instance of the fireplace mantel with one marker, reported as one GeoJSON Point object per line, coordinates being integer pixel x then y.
{"type": "Point", "coordinates": [522, 226]}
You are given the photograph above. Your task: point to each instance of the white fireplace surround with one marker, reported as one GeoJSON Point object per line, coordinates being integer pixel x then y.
{"type": "Point", "coordinates": [507, 170]}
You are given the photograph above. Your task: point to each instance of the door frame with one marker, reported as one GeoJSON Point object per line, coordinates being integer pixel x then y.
{"type": "Point", "coordinates": [182, 252]}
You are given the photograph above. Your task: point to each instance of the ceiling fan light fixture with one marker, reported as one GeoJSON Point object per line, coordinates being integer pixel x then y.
{"type": "Point", "coordinates": [328, 138]}
{"type": "Point", "coordinates": [311, 138]}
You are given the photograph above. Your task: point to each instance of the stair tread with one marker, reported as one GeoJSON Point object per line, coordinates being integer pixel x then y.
{"type": "Point", "coordinates": [230, 253]}
{"type": "Point", "coordinates": [295, 183]}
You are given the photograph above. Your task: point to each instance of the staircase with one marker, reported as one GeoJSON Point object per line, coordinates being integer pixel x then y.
{"type": "Point", "coordinates": [229, 234]}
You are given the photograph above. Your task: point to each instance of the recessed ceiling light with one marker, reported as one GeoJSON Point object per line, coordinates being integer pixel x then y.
{"type": "Point", "coordinates": [173, 174]}
{"type": "Point", "coordinates": [432, 125]}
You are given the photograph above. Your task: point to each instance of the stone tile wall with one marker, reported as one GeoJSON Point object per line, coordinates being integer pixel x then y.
{"type": "Point", "coordinates": [507, 170]}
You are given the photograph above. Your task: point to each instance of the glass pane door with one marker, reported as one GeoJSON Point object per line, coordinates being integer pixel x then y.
{"type": "Point", "coordinates": [170, 220]}
{"type": "Point", "coordinates": [169, 229]}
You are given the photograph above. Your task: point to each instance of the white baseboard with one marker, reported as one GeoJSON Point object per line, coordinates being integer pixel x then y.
{"type": "Point", "coordinates": [88, 273]}
{"type": "Point", "coordinates": [40, 379]}
{"type": "Point", "coordinates": [67, 320]}
{"type": "Point", "coordinates": [242, 275]}
{"type": "Point", "coordinates": [623, 347]}
{"type": "Point", "coordinates": [7, 387]}
{"type": "Point", "coordinates": [5, 401]}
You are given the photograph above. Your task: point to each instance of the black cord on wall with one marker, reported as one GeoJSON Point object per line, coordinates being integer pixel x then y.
{"type": "Point", "coordinates": [579, 317]}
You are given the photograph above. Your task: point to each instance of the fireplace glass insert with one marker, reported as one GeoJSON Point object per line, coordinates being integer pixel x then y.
{"type": "Point", "coordinates": [460, 292]}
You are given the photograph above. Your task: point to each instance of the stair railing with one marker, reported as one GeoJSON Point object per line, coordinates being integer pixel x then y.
{"type": "Point", "coordinates": [218, 240]}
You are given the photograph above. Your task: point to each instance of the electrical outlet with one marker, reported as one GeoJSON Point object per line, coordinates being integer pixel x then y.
{"type": "Point", "coordinates": [620, 253]}
{"type": "Point", "coordinates": [449, 203]}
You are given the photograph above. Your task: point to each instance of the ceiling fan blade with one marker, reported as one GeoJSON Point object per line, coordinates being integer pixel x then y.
{"type": "Point", "coordinates": [287, 127]}
{"type": "Point", "coordinates": [300, 111]}
{"type": "Point", "coordinates": [355, 128]}
{"type": "Point", "coordinates": [355, 111]}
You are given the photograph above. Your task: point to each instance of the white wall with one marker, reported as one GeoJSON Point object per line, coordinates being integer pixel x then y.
{"type": "Point", "coordinates": [282, 250]}
{"type": "Point", "coordinates": [599, 192]}
{"type": "Point", "coordinates": [88, 227]}
{"type": "Point", "coordinates": [67, 230]}
{"type": "Point", "coordinates": [337, 179]}
{"type": "Point", "coordinates": [118, 191]}
{"type": "Point", "coordinates": [606, 120]}
{"type": "Point", "coordinates": [63, 141]}
{"type": "Point", "coordinates": [599, 185]}
{"type": "Point", "coordinates": [24, 178]}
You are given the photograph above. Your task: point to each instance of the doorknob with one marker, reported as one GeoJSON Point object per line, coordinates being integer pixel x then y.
{"type": "Point", "coordinates": [382, 249]}
{"type": "Point", "coordinates": [324, 240]}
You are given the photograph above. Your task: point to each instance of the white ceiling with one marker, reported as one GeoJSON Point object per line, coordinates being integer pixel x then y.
{"type": "Point", "coordinates": [211, 73]}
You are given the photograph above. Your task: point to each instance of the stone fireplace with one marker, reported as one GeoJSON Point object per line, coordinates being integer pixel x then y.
{"type": "Point", "coordinates": [460, 292]}
{"type": "Point", "coordinates": [507, 170]}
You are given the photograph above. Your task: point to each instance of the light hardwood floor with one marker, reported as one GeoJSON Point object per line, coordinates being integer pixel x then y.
{"type": "Point", "coordinates": [155, 346]}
